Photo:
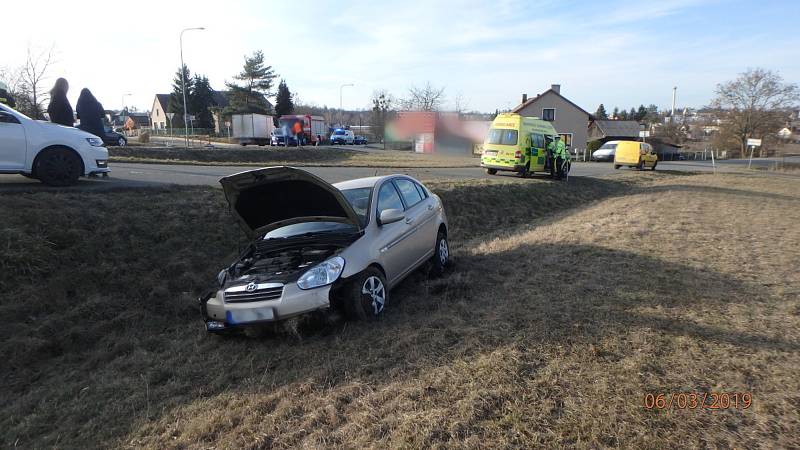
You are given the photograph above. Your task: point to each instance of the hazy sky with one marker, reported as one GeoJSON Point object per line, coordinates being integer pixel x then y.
{"type": "Point", "coordinates": [490, 52]}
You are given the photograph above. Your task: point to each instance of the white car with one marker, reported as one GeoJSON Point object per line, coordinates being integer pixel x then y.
{"type": "Point", "coordinates": [340, 136]}
{"type": "Point", "coordinates": [54, 154]}
{"type": "Point", "coordinates": [605, 152]}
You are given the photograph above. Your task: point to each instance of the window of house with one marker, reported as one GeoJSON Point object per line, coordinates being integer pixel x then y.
{"type": "Point", "coordinates": [549, 114]}
{"type": "Point", "coordinates": [566, 138]}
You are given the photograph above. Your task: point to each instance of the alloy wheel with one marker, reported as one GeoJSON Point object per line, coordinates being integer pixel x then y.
{"type": "Point", "coordinates": [444, 251]}
{"type": "Point", "coordinates": [373, 287]}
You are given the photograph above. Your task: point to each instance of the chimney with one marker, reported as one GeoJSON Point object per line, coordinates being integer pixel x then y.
{"type": "Point", "coordinates": [556, 88]}
{"type": "Point", "coordinates": [524, 98]}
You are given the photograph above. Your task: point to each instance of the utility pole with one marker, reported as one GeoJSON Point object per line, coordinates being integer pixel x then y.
{"type": "Point", "coordinates": [340, 100]}
{"type": "Point", "coordinates": [183, 84]}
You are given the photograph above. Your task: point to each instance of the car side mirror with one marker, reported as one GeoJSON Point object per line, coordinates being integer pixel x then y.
{"type": "Point", "coordinates": [391, 216]}
{"type": "Point", "coordinates": [7, 118]}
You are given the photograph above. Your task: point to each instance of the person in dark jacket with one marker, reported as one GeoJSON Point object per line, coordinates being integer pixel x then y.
{"type": "Point", "coordinates": [90, 113]}
{"type": "Point", "coordinates": [60, 110]}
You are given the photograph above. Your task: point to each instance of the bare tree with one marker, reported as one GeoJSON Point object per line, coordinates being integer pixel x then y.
{"type": "Point", "coordinates": [460, 104]}
{"type": "Point", "coordinates": [382, 105]}
{"type": "Point", "coordinates": [427, 98]}
{"type": "Point", "coordinates": [753, 105]}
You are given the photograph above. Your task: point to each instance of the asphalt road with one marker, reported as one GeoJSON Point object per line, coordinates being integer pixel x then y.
{"type": "Point", "coordinates": [136, 175]}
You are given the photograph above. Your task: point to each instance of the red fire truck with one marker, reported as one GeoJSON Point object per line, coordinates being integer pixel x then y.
{"type": "Point", "coordinates": [312, 126]}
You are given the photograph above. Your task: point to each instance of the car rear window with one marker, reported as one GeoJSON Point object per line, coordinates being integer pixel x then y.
{"type": "Point", "coordinates": [408, 191]}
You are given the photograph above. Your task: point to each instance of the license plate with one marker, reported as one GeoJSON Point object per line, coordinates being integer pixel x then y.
{"type": "Point", "coordinates": [249, 315]}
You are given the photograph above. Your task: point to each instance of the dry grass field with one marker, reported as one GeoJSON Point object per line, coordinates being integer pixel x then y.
{"type": "Point", "coordinates": [565, 306]}
{"type": "Point", "coordinates": [304, 156]}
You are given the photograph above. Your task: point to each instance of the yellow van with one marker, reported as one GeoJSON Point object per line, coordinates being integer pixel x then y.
{"type": "Point", "coordinates": [516, 144]}
{"type": "Point", "coordinates": [635, 154]}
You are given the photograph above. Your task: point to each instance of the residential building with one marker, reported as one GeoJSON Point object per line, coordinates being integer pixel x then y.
{"type": "Point", "coordinates": [570, 120]}
{"type": "Point", "coordinates": [607, 130]}
{"type": "Point", "coordinates": [158, 113]}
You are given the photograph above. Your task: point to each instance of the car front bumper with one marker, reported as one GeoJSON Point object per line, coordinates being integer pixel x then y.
{"type": "Point", "coordinates": [220, 315]}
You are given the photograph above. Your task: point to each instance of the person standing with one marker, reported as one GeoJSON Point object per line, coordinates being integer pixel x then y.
{"type": "Point", "coordinates": [59, 109]}
{"type": "Point", "coordinates": [90, 113]}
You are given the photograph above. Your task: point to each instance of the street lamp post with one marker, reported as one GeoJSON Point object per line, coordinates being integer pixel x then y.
{"type": "Point", "coordinates": [340, 100]}
{"type": "Point", "coordinates": [183, 84]}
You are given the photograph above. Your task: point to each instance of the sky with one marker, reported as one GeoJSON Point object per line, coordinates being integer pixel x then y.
{"type": "Point", "coordinates": [488, 53]}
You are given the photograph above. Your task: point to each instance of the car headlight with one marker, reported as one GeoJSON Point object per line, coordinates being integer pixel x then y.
{"type": "Point", "coordinates": [322, 274]}
{"type": "Point", "coordinates": [95, 142]}
{"type": "Point", "coordinates": [221, 276]}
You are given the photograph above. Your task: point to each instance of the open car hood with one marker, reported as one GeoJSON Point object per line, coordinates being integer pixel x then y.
{"type": "Point", "coordinates": [272, 197]}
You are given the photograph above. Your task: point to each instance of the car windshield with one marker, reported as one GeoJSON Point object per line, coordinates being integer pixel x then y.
{"type": "Point", "coordinates": [305, 228]}
{"type": "Point", "coordinates": [359, 200]}
{"type": "Point", "coordinates": [499, 136]}
{"type": "Point", "coordinates": [608, 146]}
{"type": "Point", "coordinates": [9, 110]}
{"type": "Point", "coordinates": [339, 132]}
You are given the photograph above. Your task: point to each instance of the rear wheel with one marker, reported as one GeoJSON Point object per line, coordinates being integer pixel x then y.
{"type": "Point", "coordinates": [616, 166]}
{"type": "Point", "coordinates": [491, 171]}
{"type": "Point", "coordinates": [58, 167]}
{"type": "Point", "coordinates": [441, 255]}
{"type": "Point", "coordinates": [366, 295]}
{"type": "Point", "coordinates": [640, 166]}
{"type": "Point", "coordinates": [655, 163]}
{"type": "Point", "coordinates": [122, 142]}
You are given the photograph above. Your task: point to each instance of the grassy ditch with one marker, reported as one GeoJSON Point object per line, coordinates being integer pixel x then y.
{"type": "Point", "coordinates": [565, 306]}
{"type": "Point", "coordinates": [305, 156]}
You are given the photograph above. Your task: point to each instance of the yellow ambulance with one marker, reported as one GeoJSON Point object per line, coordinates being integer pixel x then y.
{"type": "Point", "coordinates": [517, 144]}
{"type": "Point", "coordinates": [635, 154]}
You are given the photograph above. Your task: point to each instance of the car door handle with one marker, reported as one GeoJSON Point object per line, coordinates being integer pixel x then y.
{"type": "Point", "coordinates": [430, 207]}
{"type": "Point", "coordinates": [410, 220]}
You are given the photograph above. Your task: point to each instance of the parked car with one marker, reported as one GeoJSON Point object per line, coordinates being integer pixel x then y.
{"type": "Point", "coordinates": [340, 136]}
{"type": "Point", "coordinates": [605, 152]}
{"type": "Point", "coordinates": [321, 247]}
{"type": "Point", "coordinates": [113, 138]}
{"type": "Point", "coordinates": [55, 154]}
{"type": "Point", "coordinates": [360, 140]}
{"type": "Point", "coordinates": [635, 154]}
{"type": "Point", "coordinates": [277, 137]}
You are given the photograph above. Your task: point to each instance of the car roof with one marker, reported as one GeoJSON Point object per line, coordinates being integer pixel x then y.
{"type": "Point", "coordinates": [367, 182]}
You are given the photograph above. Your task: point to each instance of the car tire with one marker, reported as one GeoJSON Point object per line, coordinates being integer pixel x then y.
{"type": "Point", "coordinates": [616, 166]}
{"type": "Point", "coordinates": [366, 296]}
{"type": "Point", "coordinates": [640, 166]}
{"type": "Point", "coordinates": [441, 255]}
{"type": "Point", "coordinates": [58, 167]}
{"type": "Point", "coordinates": [491, 171]}
{"type": "Point", "coordinates": [655, 163]}
{"type": "Point", "coordinates": [122, 142]}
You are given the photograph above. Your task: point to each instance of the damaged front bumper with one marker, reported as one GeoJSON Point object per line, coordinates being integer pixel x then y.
{"type": "Point", "coordinates": [221, 313]}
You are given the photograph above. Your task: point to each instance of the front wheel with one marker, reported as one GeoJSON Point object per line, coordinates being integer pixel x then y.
{"type": "Point", "coordinates": [491, 171]}
{"type": "Point", "coordinates": [122, 142]}
{"type": "Point", "coordinates": [616, 166]}
{"type": "Point", "coordinates": [655, 163]}
{"type": "Point", "coordinates": [58, 167]}
{"type": "Point", "coordinates": [366, 296]}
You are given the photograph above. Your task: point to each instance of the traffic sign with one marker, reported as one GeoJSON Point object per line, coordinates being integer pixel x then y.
{"type": "Point", "coordinates": [644, 134]}
{"type": "Point", "coordinates": [754, 142]}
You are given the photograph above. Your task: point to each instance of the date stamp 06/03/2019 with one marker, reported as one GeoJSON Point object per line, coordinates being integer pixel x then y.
{"type": "Point", "coordinates": [699, 400]}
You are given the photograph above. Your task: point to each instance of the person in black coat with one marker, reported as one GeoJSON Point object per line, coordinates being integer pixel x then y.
{"type": "Point", "coordinates": [60, 110]}
{"type": "Point", "coordinates": [90, 113]}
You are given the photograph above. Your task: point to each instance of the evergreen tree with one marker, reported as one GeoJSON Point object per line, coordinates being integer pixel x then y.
{"type": "Point", "coordinates": [601, 114]}
{"type": "Point", "coordinates": [623, 115]}
{"type": "Point", "coordinates": [201, 102]}
{"type": "Point", "coordinates": [283, 100]}
{"type": "Point", "coordinates": [632, 114]}
{"type": "Point", "coordinates": [176, 97]}
{"type": "Point", "coordinates": [615, 114]}
{"type": "Point", "coordinates": [256, 83]}
{"type": "Point", "coordinates": [641, 113]}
